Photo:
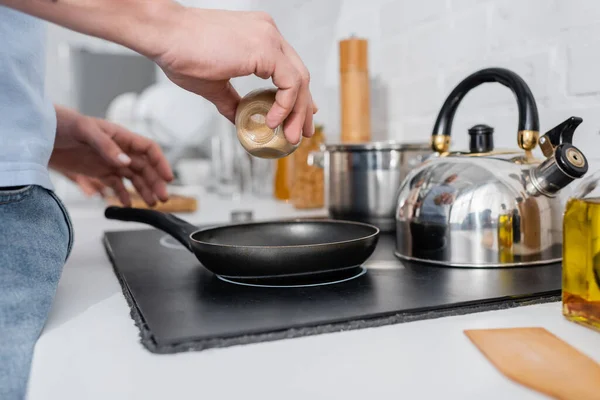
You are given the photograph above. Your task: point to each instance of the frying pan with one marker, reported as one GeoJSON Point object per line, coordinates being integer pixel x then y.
{"type": "Point", "coordinates": [265, 249]}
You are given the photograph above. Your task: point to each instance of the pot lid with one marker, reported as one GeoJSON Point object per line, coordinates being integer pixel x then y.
{"type": "Point", "coordinates": [381, 145]}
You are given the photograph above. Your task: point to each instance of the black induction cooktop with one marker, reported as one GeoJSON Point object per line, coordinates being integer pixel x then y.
{"type": "Point", "coordinates": [178, 305]}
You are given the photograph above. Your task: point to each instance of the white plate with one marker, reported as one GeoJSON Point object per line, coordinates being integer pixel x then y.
{"type": "Point", "coordinates": [170, 113]}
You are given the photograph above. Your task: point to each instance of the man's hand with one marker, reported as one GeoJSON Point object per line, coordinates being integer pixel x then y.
{"type": "Point", "coordinates": [88, 185]}
{"type": "Point", "coordinates": [108, 153]}
{"type": "Point", "coordinates": [208, 47]}
{"type": "Point", "coordinates": [199, 50]}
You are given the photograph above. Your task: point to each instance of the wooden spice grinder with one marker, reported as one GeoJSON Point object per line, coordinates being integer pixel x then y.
{"type": "Point", "coordinates": [252, 131]}
{"type": "Point", "coordinates": [355, 91]}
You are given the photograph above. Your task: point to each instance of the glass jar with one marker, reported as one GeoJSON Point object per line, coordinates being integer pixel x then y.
{"type": "Point", "coordinates": [308, 183]}
{"type": "Point", "coordinates": [252, 131]}
{"type": "Point", "coordinates": [283, 178]}
{"type": "Point", "coordinates": [581, 254]}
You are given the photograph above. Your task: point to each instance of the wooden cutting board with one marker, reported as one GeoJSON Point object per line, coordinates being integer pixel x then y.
{"type": "Point", "coordinates": [538, 359]}
{"type": "Point", "coordinates": [176, 203]}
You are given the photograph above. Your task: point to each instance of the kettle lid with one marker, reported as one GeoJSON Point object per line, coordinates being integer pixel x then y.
{"type": "Point", "coordinates": [481, 129]}
{"type": "Point", "coordinates": [482, 139]}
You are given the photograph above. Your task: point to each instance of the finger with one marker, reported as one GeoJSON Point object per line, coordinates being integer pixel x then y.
{"type": "Point", "coordinates": [296, 57]}
{"type": "Point", "coordinates": [309, 124]}
{"type": "Point", "coordinates": [143, 189]}
{"type": "Point", "coordinates": [92, 182]}
{"type": "Point", "coordinates": [309, 127]}
{"type": "Point", "coordinates": [116, 183]}
{"type": "Point", "coordinates": [142, 167]}
{"type": "Point", "coordinates": [90, 186]}
{"type": "Point", "coordinates": [304, 103]}
{"type": "Point", "coordinates": [296, 124]}
{"type": "Point", "coordinates": [101, 141]}
{"type": "Point", "coordinates": [98, 185]}
{"type": "Point", "coordinates": [288, 80]}
{"type": "Point", "coordinates": [160, 191]}
{"type": "Point", "coordinates": [86, 187]}
{"type": "Point", "coordinates": [138, 145]}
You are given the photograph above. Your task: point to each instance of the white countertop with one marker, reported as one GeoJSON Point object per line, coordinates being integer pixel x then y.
{"type": "Point", "coordinates": [90, 347]}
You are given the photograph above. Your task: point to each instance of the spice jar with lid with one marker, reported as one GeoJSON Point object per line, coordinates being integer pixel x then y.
{"type": "Point", "coordinates": [581, 255]}
{"type": "Point", "coordinates": [308, 183]}
{"type": "Point", "coordinates": [252, 131]}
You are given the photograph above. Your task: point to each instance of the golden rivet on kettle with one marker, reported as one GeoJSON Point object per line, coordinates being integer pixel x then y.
{"type": "Point", "coordinates": [528, 139]}
{"type": "Point", "coordinates": [440, 143]}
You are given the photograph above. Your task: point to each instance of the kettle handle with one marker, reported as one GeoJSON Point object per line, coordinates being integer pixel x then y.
{"type": "Point", "coordinates": [529, 124]}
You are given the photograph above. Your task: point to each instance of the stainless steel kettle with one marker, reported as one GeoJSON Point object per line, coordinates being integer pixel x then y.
{"type": "Point", "coordinates": [486, 207]}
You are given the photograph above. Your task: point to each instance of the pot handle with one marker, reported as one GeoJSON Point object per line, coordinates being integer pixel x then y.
{"type": "Point", "coordinates": [168, 223]}
{"type": "Point", "coordinates": [316, 159]}
{"type": "Point", "coordinates": [528, 127]}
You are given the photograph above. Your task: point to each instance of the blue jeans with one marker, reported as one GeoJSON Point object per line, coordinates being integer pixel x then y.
{"type": "Point", "coordinates": [36, 237]}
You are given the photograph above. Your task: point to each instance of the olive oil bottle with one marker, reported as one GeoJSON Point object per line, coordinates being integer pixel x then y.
{"type": "Point", "coordinates": [581, 258]}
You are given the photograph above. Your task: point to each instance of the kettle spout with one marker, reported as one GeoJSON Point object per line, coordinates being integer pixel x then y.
{"type": "Point", "coordinates": [564, 162]}
{"type": "Point", "coordinates": [557, 172]}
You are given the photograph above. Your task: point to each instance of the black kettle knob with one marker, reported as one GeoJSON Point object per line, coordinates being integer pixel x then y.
{"type": "Point", "coordinates": [482, 139]}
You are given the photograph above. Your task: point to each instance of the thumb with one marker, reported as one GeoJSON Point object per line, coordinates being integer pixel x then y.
{"type": "Point", "coordinates": [105, 146]}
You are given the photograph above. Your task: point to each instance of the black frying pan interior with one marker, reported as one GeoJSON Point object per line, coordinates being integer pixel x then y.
{"type": "Point", "coordinates": [286, 233]}
{"type": "Point", "coordinates": [266, 249]}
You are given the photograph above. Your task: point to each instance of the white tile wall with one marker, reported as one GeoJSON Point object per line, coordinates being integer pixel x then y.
{"type": "Point", "coordinates": [419, 50]}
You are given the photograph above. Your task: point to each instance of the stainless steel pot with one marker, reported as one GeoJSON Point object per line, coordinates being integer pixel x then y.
{"type": "Point", "coordinates": [362, 180]}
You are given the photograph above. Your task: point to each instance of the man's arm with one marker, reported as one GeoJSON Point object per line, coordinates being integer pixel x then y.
{"type": "Point", "coordinates": [199, 50]}
{"type": "Point", "coordinates": [131, 23]}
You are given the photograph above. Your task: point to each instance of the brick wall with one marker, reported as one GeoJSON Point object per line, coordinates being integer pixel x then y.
{"type": "Point", "coordinates": [419, 50]}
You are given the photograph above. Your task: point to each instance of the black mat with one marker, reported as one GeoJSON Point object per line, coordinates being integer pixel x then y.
{"type": "Point", "coordinates": [179, 306]}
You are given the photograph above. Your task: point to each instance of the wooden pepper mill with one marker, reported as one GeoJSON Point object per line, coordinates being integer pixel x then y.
{"type": "Point", "coordinates": [355, 91]}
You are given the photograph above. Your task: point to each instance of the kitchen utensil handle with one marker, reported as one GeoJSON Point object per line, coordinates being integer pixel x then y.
{"type": "Point", "coordinates": [528, 113]}
{"type": "Point", "coordinates": [169, 223]}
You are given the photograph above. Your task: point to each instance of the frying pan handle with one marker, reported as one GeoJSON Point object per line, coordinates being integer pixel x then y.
{"type": "Point", "coordinates": [176, 227]}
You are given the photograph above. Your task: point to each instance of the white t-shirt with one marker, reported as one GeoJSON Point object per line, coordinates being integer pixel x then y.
{"type": "Point", "coordinates": [27, 116]}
